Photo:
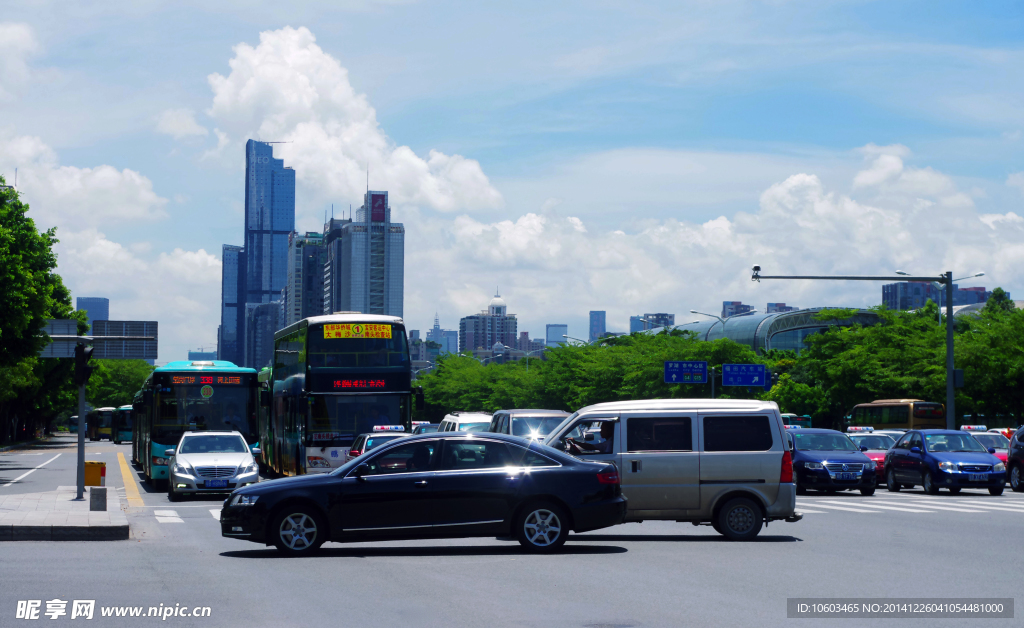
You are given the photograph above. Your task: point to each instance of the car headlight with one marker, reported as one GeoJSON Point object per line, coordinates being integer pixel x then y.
{"type": "Point", "coordinates": [246, 468]}
{"type": "Point", "coordinates": [948, 467]}
{"type": "Point", "coordinates": [316, 462]}
{"type": "Point", "coordinates": [999, 468]}
{"type": "Point", "coordinates": [182, 469]}
{"type": "Point", "coordinates": [244, 500]}
{"type": "Point", "coordinates": [813, 465]}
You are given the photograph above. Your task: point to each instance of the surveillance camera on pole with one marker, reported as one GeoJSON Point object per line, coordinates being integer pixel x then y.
{"type": "Point", "coordinates": [755, 271]}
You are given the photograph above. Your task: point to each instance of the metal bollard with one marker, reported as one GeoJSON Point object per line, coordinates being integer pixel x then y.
{"type": "Point", "coordinates": [97, 498]}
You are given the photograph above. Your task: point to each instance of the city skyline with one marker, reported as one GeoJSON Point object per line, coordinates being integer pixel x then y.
{"type": "Point", "coordinates": [655, 203]}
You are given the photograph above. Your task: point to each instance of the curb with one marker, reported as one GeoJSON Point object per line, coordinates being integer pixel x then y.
{"type": "Point", "coordinates": [64, 533]}
{"type": "Point", "coordinates": [22, 445]}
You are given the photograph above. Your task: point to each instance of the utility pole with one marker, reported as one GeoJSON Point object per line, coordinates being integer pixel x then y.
{"type": "Point", "coordinates": [82, 373]}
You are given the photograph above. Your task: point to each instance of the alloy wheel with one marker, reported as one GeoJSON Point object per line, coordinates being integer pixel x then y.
{"type": "Point", "coordinates": [542, 527]}
{"type": "Point", "coordinates": [298, 531]}
{"type": "Point", "coordinates": [1015, 479]}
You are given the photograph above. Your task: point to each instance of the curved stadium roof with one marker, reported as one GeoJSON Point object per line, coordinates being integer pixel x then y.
{"type": "Point", "coordinates": [779, 330]}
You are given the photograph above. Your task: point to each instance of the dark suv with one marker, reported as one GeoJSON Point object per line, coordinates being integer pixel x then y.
{"type": "Point", "coordinates": [1015, 461]}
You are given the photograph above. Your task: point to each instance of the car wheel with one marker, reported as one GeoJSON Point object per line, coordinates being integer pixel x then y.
{"type": "Point", "coordinates": [996, 490]}
{"type": "Point", "coordinates": [1016, 481]}
{"type": "Point", "coordinates": [890, 482]}
{"type": "Point", "coordinates": [928, 484]}
{"type": "Point", "coordinates": [867, 491]}
{"type": "Point", "coordinates": [542, 527]}
{"type": "Point", "coordinates": [172, 495]}
{"type": "Point", "coordinates": [740, 519]}
{"type": "Point", "coordinates": [954, 490]}
{"type": "Point", "coordinates": [298, 531]}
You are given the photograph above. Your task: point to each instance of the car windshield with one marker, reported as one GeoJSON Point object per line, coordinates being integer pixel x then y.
{"type": "Point", "coordinates": [425, 429]}
{"type": "Point", "coordinates": [213, 445]}
{"type": "Point", "coordinates": [874, 441]}
{"type": "Point", "coordinates": [377, 441]}
{"type": "Point", "coordinates": [534, 425]}
{"type": "Point", "coordinates": [823, 442]}
{"type": "Point", "coordinates": [952, 442]}
{"type": "Point", "coordinates": [996, 441]}
{"type": "Point", "coordinates": [474, 427]}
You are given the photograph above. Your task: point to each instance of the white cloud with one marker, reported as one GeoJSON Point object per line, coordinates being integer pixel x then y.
{"type": "Point", "coordinates": [17, 43]}
{"type": "Point", "coordinates": [76, 197]}
{"type": "Point", "coordinates": [288, 89]}
{"type": "Point", "coordinates": [1016, 180]}
{"type": "Point", "coordinates": [550, 269]}
{"type": "Point", "coordinates": [180, 123]}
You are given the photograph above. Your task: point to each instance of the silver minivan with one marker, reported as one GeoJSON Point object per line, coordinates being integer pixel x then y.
{"type": "Point", "coordinates": [718, 462]}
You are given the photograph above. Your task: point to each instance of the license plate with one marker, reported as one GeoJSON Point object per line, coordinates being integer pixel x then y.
{"type": "Point", "coordinates": [977, 477]}
{"type": "Point", "coordinates": [216, 484]}
{"type": "Point", "coordinates": [846, 476]}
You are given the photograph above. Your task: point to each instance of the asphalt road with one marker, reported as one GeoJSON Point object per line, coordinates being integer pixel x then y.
{"type": "Point", "coordinates": [649, 574]}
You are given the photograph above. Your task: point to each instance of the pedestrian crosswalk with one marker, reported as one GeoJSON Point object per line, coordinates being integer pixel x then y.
{"type": "Point", "coordinates": [911, 502]}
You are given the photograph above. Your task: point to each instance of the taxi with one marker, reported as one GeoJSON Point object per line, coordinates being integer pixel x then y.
{"type": "Point", "coordinates": [936, 459]}
{"type": "Point", "coordinates": [381, 434]}
{"type": "Point", "coordinates": [877, 444]}
{"type": "Point", "coordinates": [996, 444]}
{"type": "Point", "coordinates": [827, 460]}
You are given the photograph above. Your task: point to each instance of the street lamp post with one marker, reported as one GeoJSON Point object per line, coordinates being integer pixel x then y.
{"type": "Point", "coordinates": [946, 279]}
{"type": "Point", "coordinates": [582, 342]}
{"type": "Point", "coordinates": [937, 287]}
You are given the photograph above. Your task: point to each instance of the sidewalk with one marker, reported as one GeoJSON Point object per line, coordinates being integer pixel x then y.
{"type": "Point", "coordinates": [55, 516]}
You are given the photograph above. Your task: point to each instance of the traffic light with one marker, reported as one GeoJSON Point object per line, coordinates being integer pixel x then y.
{"type": "Point", "coordinates": [82, 368]}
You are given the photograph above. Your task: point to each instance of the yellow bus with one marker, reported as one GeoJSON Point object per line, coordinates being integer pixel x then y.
{"type": "Point", "coordinates": [907, 414]}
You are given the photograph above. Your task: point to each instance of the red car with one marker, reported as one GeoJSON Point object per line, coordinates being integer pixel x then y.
{"type": "Point", "coordinates": [877, 445]}
{"type": "Point", "coordinates": [990, 440]}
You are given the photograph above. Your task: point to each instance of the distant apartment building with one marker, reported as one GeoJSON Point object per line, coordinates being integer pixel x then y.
{"type": "Point", "coordinates": [911, 295]}
{"type": "Point", "coordinates": [735, 308]}
{"type": "Point", "coordinates": [555, 334]}
{"type": "Point", "coordinates": [95, 308]}
{"type": "Point", "coordinates": [778, 308]}
{"type": "Point", "coordinates": [447, 338]}
{"type": "Point", "coordinates": [303, 293]}
{"type": "Point", "coordinates": [480, 332]}
{"type": "Point", "coordinates": [598, 326]}
{"type": "Point", "coordinates": [364, 269]}
{"type": "Point", "coordinates": [651, 321]}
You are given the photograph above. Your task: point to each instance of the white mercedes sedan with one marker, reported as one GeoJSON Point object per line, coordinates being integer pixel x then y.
{"type": "Point", "coordinates": [210, 462]}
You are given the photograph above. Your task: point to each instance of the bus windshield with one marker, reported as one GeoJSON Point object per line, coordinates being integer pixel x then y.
{"type": "Point", "coordinates": [356, 345]}
{"type": "Point", "coordinates": [335, 420]}
{"type": "Point", "coordinates": [184, 408]}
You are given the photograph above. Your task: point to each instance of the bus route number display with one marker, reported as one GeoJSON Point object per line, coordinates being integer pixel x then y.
{"type": "Point", "coordinates": [356, 330]}
{"type": "Point", "coordinates": [205, 380]}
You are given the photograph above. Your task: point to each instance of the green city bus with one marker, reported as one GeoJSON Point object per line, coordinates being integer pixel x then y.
{"type": "Point", "coordinates": [334, 377]}
{"type": "Point", "coordinates": [97, 423]}
{"type": "Point", "coordinates": [186, 397]}
{"type": "Point", "coordinates": [121, 426]}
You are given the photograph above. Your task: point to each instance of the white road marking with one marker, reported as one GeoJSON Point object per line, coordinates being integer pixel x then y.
{"type": "Point", "coordinates": [821, 505]}
{"type": "Point", "coordinates": [165, 513]}
{"type": "Point", "coordinates": [216, 513]}
{"type": "Point", "coordinates": [170, 520]}
{"type": "Point", "coordinates": [811, 512]}
{"type": "Point", "coordinates": [30, 471]}
{"type": "Point", "coordinates": [877, 505]}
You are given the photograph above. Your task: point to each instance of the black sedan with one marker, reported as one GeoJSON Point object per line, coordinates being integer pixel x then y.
{"type": "Point", "coordinates": [443, 485]}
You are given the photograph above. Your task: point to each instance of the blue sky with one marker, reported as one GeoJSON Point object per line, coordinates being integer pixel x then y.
{"type": "Point", "coordinates": [643, 118]}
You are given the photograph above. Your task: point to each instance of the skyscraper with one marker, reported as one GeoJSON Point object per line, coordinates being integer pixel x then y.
{"type": "Point", "coordinates": [269, 219]}
{"type": "Point", "coordinates": [230, 340]}
{"type": "Point", "coordinates": [303, 294]}
{"type": "Point", "coordinates": [364, 269]}
{"type": "Point", "coordinates": [597, 324]}
{"type": "Point", "coordinates": [261, 321]}
{"type": "Point", "coordinates": [491, 326]}
{"type": "Point", "coordinates": [555, 334]}
{"type": "Point", "coordinates": [95, 308]}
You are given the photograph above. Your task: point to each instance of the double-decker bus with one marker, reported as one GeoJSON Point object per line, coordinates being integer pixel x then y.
{"type": "Point", "coordinates": [187, 397]}
{"type": "Point", "coordinates": [908, 414]}
{"type": "Point", "coordinates": [98, 422]}
{"type": "Point", "coordinates": [335, 377]}
{"type": "Point", "coordinates": [121, 426]}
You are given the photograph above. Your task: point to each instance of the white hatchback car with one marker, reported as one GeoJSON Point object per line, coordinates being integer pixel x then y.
{"type": "Point", "coordinates": [210, 462]}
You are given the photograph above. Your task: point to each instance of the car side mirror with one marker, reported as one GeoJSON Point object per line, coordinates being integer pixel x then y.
{"type": "Point", "coordinates": [361, 471]}
{"type": "Point", "coordinates": [991, 450]}
{"type": "Point", "coordinates": [863, 448]}
{"type": "Point", "coordinates": [169, 453]}
{"type": "Point", "coordinates": [915, 450]}
{"type": "Point", "coordinates": [256, 451]}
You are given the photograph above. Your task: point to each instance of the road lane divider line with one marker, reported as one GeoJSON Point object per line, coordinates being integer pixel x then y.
{"type": "Point", "coordinates": [25, 474]}
{"type": "Point", "coordinates": [820, 505]}
{"type": "Point", "coordinates": [216, 513]}
{"type": "Point", "coordinates": [131, 489]}
{"type": "Point", "coordinates": [813, 512]}
{"type": "Point", "coordinates": [881, 506]}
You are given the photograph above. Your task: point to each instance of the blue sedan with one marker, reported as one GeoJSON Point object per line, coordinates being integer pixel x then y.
{"type": "Point", "coordinates": [947, 459]}
{"type": "Point", "coordinates": [827, 460]}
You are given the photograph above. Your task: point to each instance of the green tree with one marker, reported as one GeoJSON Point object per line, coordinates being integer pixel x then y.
{"type": "Point", "coordinates": [1000, 301]}
{"type": "Point", "coordinates": [115, 382]}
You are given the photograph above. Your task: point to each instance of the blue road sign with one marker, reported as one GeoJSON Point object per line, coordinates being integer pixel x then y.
{"type": "Point", "coordinates": [688, 372]}
{"type": "Point", "coordinates": [749, 375]}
